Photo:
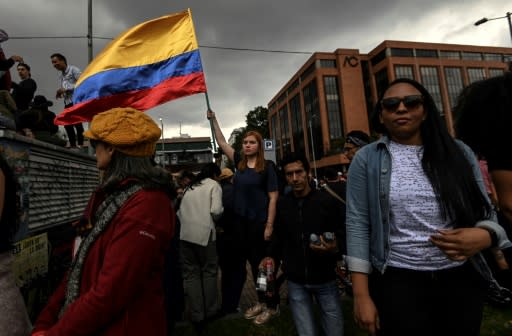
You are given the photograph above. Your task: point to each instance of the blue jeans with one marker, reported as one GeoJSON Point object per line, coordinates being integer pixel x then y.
{"type": "Point", "coordinates": [327, 296]}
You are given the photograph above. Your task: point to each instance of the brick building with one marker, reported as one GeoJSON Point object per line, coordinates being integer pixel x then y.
{"type": "Point", "coordinates": [334, 93]}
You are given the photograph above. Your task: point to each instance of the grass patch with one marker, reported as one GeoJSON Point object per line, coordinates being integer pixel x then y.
{"type": "Point", "coordinates": [496, 322]}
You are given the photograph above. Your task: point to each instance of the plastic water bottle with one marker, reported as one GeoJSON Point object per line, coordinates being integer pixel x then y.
{"type": "Point", "coordinates": [328, 236]}
{"type": "Point", "coordinates": [269, 269]}
{"type": "Point", "coordinates": [261, 280]}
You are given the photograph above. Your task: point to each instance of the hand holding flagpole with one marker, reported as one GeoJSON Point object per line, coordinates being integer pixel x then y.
{"type": "Point", "coordinates": [211, 122]}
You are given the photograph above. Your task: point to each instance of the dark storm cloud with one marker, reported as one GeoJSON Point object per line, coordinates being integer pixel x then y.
{"type": "Point", "coordinates": [238, 81]}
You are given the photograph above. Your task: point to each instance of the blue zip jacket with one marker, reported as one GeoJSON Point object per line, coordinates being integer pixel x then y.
{"type": "Point", "coordinates": [368, 209]}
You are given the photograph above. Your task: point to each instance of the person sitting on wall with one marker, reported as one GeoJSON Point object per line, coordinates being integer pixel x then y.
{"type": "Point", "coordinates": [7, 110]}
{"type": "Point", "coordinates": [23, 92]}
{"type": "Point", "coordinates": [6, 63]}
{"type": "Point", "coordinates": [37, 122]}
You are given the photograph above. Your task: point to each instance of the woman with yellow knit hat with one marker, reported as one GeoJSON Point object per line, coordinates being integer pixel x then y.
{"type": "Point", "coordinates": [114, 284]}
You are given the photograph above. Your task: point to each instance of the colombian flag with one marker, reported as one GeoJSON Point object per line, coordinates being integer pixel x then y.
{"type": "Point", "coordinates": [150, 64]}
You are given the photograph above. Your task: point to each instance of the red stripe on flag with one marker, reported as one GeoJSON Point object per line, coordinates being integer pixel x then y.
{"type": "Point", "coordinates": [143, 100]}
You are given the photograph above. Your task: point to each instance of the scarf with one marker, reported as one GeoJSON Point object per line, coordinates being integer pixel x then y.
{"type": "Point", "coordinates": [106, 211]}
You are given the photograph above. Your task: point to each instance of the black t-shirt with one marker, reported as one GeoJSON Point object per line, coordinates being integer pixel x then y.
{"type": "Point", "coordinates": [251, 191]}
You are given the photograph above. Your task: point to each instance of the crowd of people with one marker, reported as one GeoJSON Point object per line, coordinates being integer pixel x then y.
{"type": "Point", "coordinates": [24, 111]}
{"type": "Point", "coordinates": [422, 235]}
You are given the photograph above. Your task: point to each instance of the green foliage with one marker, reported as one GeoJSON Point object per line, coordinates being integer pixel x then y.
{"type": "Point", "coordinates": [237, 146]}
{"type": "Point", "coordinates": [256, 120]}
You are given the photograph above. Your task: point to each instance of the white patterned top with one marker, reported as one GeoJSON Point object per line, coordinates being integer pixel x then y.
{"type": "Point", "coordinates": [415, 214]}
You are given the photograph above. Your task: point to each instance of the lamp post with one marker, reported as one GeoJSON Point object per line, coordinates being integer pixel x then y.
{"type": "Point", "coordinates": [312, 142]}
{"type": "Point", "coordinates": [162, 155]}
{"type": "Point", "coordinates": [508, 16]}
{"type": "Point", "coordinates": [89, 30]}
{"type": "Point", "coordinates": [90, 150]}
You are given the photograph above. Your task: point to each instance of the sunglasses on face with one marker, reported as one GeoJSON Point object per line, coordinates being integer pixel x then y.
{"type": "Point", "coordinates": [410, 102]}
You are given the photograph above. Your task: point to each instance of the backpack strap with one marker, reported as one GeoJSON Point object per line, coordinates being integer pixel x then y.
{"type": "Point", "coordinates": [330, 191]}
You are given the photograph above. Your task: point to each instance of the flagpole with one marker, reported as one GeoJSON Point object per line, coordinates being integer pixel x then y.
{"type": "Point", "coordinates": [211, 122]}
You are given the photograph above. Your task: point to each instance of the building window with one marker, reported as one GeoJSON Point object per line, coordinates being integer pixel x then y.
{"type": "Point", "coordinates": [365, 67]}
{"type": "Point", "coordinates": [307, 72]}
{"type": "Point", "coordinates": [496, 72]}
{"type": "Point", "coordinates": [471, 56]}
{"type": "Point", "coordinates": [430, 80]}
{"type": "Point", "coordinates": [285, 134]}
{"type": "Point", "coordinates": [493, 57]}
{"type": "Point", "coordinates": [297, 129]}
{"type": "Point", "coordinates": [273, 129]}
{"type": "Point", "coordinates": [401, 52]}
{"type": "Point", "coordinates": [326, 63]}
{"type": "Point", "coordinates": [449, 54]}
{"type": "Point", "coordinates": [332, 99]}
{"type": "Point", "coordinates": [382, 81]}
{"type": "Point", "coordinates": [379, 57]}
{"type": "Point", "coordinates": [475, 74]}
{"type": "Point", "coordinates": [312, 111]}
{"type": "Point", "coordinates": [454, 84]}
{"type": "Point", "coordinates": [404, 71]}
{"type": "Point", "coordinates": [426, 53]}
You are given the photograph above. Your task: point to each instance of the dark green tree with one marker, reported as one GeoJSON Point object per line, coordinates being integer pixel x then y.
{"type": "Point", "coordinates": [256, 120]}
{"type": "Point", "coordinates": [237, 145]}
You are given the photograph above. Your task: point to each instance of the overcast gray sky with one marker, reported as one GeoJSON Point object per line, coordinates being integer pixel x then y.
{"type": "Point", "coordinates": [238, 81]}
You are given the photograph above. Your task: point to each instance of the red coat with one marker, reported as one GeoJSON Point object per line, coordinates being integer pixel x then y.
{"type": "Point", "coordinates": [121, 289]}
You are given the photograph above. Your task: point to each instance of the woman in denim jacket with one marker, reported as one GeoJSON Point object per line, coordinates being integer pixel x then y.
{"type": "Point", "coordinates": [417, 216]}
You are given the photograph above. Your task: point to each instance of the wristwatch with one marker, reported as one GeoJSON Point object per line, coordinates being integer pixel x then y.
{"type": "Point", "coordinates": [494, 237]}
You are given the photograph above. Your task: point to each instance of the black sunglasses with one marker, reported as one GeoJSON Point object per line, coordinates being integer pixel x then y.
{"type": "Point", "coordinates": [410, 102]}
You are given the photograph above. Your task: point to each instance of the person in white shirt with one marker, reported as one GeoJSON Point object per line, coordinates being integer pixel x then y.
{"type": "Point", "coordinates": [200, 207]}
{"type": "Point", "coordinates": [68, 77]}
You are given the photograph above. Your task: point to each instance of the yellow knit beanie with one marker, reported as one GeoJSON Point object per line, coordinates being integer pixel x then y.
{"type": "Point", "coordinates": [128, 130]}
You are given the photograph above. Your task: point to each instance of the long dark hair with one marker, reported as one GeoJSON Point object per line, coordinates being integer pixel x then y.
{"type": "Point", "coordinates": [10, 214]}
{"type": "Point", "coordinates": [210, 170]}
{"type": "Point", "coordinates": [141, 169]}
{"type": "Point", "coordinates": [445, 165]}
{"type": "Point", "coordinates": [484, 115]}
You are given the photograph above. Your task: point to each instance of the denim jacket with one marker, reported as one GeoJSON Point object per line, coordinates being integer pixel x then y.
{"type": "Point", "coordinates": [368, 209]}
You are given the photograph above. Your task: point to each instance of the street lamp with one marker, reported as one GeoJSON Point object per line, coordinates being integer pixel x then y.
{"type": "Point", "coordinates": [312, 142]}
{"type": "Point", "coordinates": [162, 155]}
{"type": "Point", "coordinates": [508, 15]}
{"type": "Point", "coordinates": [89, 30]}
